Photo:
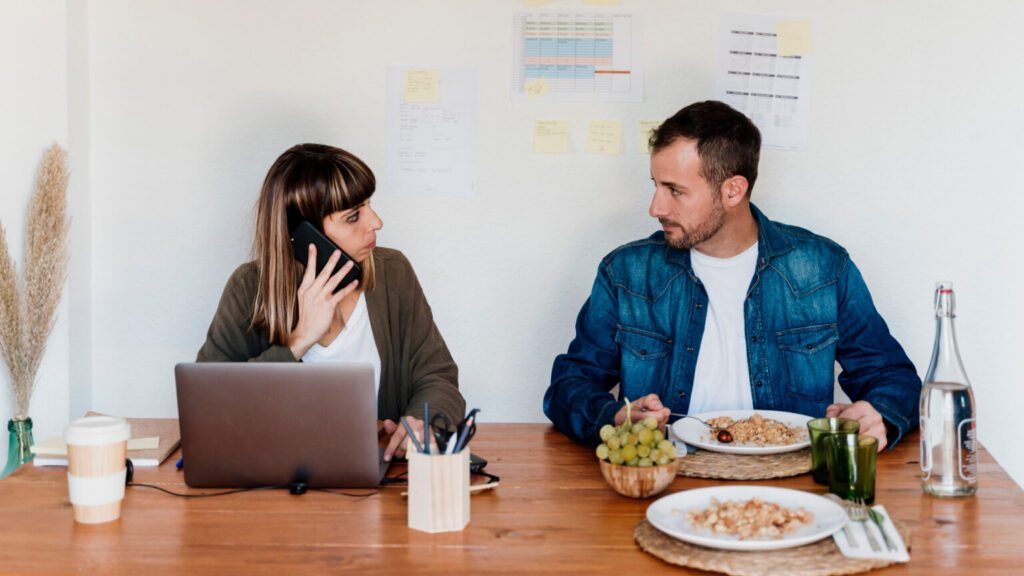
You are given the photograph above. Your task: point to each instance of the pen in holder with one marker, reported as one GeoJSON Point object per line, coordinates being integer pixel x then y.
{"type": "Point", "coordinates": [438, 491]}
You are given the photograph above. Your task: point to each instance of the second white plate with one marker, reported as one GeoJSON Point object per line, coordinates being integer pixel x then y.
{"type": "Point", "coordinates": [668, 514]}
{"type": "Point", "coordinates": [697, 434]}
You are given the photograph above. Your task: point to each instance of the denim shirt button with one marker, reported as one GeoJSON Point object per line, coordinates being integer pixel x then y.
{"type": "Point", "coordinates": [689, 348]}
{"type": "Point", "coordinates": [643, 352]}
{"type": "Point", "coordinates": [699, 305]}
{"type": "Point", "coordinates": [682, 394]}
{"type": "Point", "coordinates": [758, 383]}
{"type": "Point", "coordinates": [753, 338]}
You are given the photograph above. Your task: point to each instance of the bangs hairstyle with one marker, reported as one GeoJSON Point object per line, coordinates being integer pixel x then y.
{"type": "Point", "coordinates": [728, 143]}
{"type": "Point", "coordinates": [307, 182]}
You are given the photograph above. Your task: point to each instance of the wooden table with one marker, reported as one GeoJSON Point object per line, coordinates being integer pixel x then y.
{"type": "Point", "coordinates": [552, 513]}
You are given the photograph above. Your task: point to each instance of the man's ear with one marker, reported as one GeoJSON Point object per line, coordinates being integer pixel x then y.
{"type": "Point", "coordinates": [734, 190]}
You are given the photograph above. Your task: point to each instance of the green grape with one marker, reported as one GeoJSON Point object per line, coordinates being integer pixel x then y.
{"type": "Point", "coordinates": [658, 437]}
{"type": "Point", "coordinates": [643, 451]}
{"type": "Point", "coordinates": [602, 451]}
{"type": "Point", "coordinates": [665, 445]}
{"type": "Point", "coordinates": [671, 452]}
{"type": "Point", "coordinates": [651, 422]}
{"type": "Point", "coordinates": [664, 459]}
{"type": "Point", "coordinates": [637, 427]}
{"type": "Point", "coordinates": [632, 440]}
{"type": "Point", "coordinates": [629, 452]}
{"type": "Point", "coordinates": [644, 462]}
{"type": "Point", "coordinates": [607, 431]}
{"type": "Point", "coordinates": [634, 462]}
{"type": "Point", "coordinates": [645, 436]}
{"type": "Point", "coordinates": [613, 443]}
{"type": "Point", "coordinates": [615, 457]}
{"type": "Point", "coordinates": [623, 437]}
{"type": "Point", "coordinates": [655, 455]}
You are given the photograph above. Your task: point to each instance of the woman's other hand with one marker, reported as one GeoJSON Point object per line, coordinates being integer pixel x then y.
{"type": "Point", "coordinates": [317, 303]}
{"type": "Point", "coordinates": [399, 437]}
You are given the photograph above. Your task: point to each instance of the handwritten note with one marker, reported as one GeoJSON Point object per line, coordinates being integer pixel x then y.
{"type": "Point", "coordinates": [537, 87]}
{"type": "Point", "coordinates": [551, 137]}
{"type": "Point", "coordinates": [604, 137]}
{"type": "Point", "coordinates": [794, 37]}
{"type": "Point", "coordinates": [643, 136]}
{"type": "Point", "coordinates": [422, 86]}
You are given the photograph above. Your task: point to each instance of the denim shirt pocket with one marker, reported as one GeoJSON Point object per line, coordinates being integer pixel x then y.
{"type": "Point", "coordinates": [643, 345]}
{"type": "Point", "coordinates": [643, 356]}
{"type": "Point", "coordinates": [809, 355]}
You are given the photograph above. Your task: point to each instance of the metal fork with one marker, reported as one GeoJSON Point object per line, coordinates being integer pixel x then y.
{"type": "Point", "coordinates": [710, 427]}
{"type": "Point", "coordinates": [858, 512]}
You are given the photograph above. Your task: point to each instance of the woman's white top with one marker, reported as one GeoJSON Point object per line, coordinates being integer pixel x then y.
{"type": "Point", "coordinates": [354, 343]}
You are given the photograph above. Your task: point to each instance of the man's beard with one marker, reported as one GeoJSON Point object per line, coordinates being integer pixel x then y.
{"type": "Point", "coordinates": [691, 237]}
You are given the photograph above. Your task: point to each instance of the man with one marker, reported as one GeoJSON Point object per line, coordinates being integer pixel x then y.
{"type": "Point", "coordinates": [726, 309]}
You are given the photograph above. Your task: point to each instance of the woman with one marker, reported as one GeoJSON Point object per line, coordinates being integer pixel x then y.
{"type": "Point", "coordinates": [276, 309]}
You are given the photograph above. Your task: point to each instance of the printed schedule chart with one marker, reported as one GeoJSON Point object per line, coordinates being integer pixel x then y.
{"type": "Point", "coordinates": [578, 57]}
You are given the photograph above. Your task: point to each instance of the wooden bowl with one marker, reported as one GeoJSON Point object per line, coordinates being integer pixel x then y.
{"type": "Point", "coordinates": [637, 482]}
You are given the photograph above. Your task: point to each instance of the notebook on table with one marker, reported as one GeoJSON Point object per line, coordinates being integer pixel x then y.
{"type": "Point", "coordinates": [273, 424]}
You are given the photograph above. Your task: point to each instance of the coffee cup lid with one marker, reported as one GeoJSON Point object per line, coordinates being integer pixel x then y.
{"type": "Point", "coordinates": [96, 430]}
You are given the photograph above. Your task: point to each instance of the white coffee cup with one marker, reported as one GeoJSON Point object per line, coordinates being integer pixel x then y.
{"type": "Point", "coordinates": [97, 448]}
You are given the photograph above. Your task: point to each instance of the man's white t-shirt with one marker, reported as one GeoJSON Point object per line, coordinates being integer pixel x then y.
{"type": "Point", "coordinates": [722, 378]}
{"type": "Point", "coordinates": [354, 343]}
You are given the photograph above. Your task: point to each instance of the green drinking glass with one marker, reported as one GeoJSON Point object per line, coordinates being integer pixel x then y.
{"type": "Point", "coordinates": [820, 428]}
{"type": "Point", "coordinates": [851, 466]}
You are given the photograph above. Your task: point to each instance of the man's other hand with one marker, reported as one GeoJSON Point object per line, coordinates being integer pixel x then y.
{"type": "Point", "coordinates": [871, 423]}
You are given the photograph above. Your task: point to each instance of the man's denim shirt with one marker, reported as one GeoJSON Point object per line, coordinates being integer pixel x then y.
{"type": "Point", "coordinates": [807, 307]}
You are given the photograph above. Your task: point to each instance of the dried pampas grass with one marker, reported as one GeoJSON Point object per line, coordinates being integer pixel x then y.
{"type": "Point", "coordinates": [27, 316]}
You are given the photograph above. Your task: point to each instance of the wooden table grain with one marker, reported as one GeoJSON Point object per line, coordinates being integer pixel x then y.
{"type": "Point", "coordinates": [552, 513]}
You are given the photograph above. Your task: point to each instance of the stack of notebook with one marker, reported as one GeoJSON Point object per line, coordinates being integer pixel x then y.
{"type": "Point", "coordinates": [152, 441]}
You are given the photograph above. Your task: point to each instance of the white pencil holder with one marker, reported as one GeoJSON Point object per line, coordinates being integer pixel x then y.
{"type": "Point", "coordinates": [438, 491]}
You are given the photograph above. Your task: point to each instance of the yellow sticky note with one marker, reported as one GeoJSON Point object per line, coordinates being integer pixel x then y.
{"type": "Point", "coordinates": [794, 37]}
{"type": "Point", "coordinates": [53, 446]}
{"type": "Point", "coordinates": [537, 87]}
{"type": "Point", "coordinates": [532, 3]}
{"type": "Point", "coordinates": [604, 137]}
{"type": "Point", "coordinates": [643, 135]}
{"type": "Point", "coordinates": [149, 443]}
{"type": "Point", "coordinates": [551, 137]}
{"type": "Point", "coordinates": [600, 2]}
{"type": "Point", "coordinates": [422, 86]}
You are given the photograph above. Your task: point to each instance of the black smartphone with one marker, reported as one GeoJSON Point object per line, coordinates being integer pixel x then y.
{"type": "Point", "coordinates": [306, 234]}
{"type": "Point", "coordinates": [476, 463]}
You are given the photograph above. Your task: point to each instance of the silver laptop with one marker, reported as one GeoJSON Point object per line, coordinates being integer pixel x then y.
{"type": "Point", "coordinates": [276, 424]}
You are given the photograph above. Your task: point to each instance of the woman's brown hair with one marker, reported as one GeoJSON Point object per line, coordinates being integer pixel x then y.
{"type": "Point", "coordinates": [308, 182]}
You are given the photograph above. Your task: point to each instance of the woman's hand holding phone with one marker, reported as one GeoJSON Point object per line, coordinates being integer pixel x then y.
{"type": "Point", "coordinates": [318, 302]}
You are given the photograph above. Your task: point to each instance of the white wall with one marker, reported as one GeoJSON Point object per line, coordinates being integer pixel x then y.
{"type": "Point", "coordinates": [33, 115]}
{"type": "Point", "coordinates": [915, 128]}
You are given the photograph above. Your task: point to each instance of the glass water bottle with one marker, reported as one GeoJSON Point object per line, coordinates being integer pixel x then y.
{"type": "Point", "coordinates": [949, 465]}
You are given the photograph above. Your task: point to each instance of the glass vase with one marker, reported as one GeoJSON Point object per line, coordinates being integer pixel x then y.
{"type": "Point", "coordinates": [19, 448]}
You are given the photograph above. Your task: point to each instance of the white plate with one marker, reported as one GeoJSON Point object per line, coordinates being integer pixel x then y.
{"type": "Point", "coordinates": [829, 517]}
{"type": "Point", "coordinates": [697, 434]}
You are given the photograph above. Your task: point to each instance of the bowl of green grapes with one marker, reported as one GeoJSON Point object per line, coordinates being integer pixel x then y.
{"type": "Point", "coordinates": [636, 458]}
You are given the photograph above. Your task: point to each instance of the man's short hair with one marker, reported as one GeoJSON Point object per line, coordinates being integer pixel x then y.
{"type": "Point", "coordinates": [728, 143]}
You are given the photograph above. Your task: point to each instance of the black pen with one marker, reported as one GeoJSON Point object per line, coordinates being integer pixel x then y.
{"type": "Point", "coordinates": [465, 435]}
{"type": "Point", "coordinates": [426, 433]}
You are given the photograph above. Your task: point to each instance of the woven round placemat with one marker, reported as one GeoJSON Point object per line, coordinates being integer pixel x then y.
{"type": "Point", "coordinates": [821, 558]}
{"type": "Point", "coordinates": [707, 464]}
